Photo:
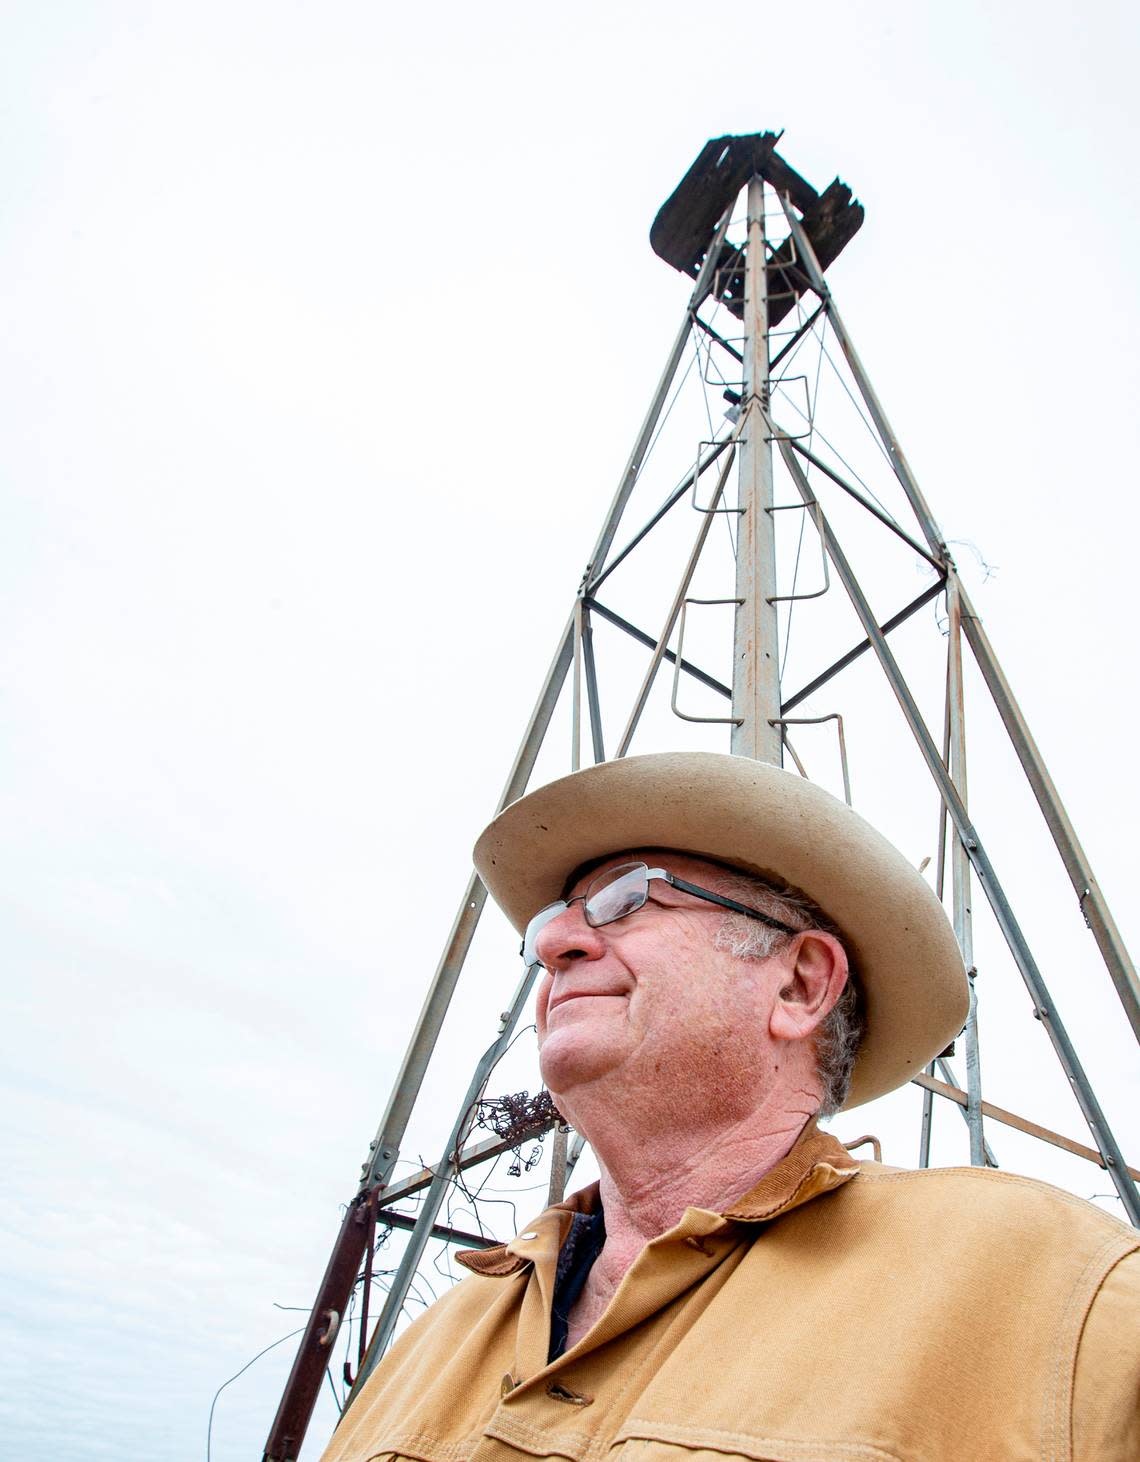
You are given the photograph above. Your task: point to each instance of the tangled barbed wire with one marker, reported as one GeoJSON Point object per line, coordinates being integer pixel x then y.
{"type": "Point", "coordinates": [519, 1115]}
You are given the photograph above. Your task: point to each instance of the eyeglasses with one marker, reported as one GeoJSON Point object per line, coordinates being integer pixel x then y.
{"type": "Point", "coordinates": [623, 890]}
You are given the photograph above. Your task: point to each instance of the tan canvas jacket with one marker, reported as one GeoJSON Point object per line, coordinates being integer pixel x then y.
{"type": "Point", "coordinates": [839, 1312]}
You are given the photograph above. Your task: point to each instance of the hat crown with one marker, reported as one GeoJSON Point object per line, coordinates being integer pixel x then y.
{"type": "Point", "coordinates": [766, 821]}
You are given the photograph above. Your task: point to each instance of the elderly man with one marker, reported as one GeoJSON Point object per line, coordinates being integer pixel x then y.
{"type": "Point", "coordinates": [728, 952]}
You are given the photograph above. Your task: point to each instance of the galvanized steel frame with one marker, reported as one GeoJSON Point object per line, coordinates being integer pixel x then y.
{"type": "Point", "coordinates": [1096, 912]}
{"type": "Point", "coordinates": [971, 843]}
{"type": "Point", "coordinates": [755, 701]}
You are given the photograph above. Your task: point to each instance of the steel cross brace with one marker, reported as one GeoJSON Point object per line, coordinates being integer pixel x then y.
{"type": "Point", "coordinates": [979, 859]}
{"type": "Point", "coordinates": [1093, 905]}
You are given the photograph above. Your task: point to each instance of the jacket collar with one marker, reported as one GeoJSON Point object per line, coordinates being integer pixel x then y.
{"type": "Point", "coordinates": [816, 1164]}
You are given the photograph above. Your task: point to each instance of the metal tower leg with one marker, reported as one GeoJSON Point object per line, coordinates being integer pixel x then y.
{"type": "Point", "coordinates": [756, 658]}
{"type": "Point", "coordinates": [432, 1201]}
{"type": "Point", "coordinates": [960, 874]}
{"type": "Point", "coordinates": [1042, 1001]}
{"type": "Point", "coordinates": [299, 1397]}
{"type": "Point", "coordinates": [757, 732]}
{"type": "Point", "coordinates": [1096, 912]}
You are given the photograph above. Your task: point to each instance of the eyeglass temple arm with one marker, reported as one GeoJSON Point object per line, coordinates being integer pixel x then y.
{"type": "Point", "coordinates": [726, 903]}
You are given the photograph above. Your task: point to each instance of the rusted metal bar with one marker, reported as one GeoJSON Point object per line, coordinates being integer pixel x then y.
{"type": "Point", "coordinates": [795, 598]}
{"type": "Point", "coordinates": [941, 1066]}
{"type": "Point", "coordinates": [1022, 1124]}
{"type": "Point", "coordinates": [301, 1389]}
{"type": "Point", "coordinates": [470, 1157]}
{"type": "Point", "coordinates": [299, 1396]}
{"type": "Point", "coordinates": [442, 1231]}
{"type": "Point", "coordinates": [442, 1177]}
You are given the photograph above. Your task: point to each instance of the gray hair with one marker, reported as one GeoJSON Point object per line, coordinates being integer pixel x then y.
{"type": "Point", "coordinates": [839, 1034]}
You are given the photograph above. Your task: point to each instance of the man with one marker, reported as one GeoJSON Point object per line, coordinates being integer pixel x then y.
{"type": "Point", "coordinates": [725, 947]}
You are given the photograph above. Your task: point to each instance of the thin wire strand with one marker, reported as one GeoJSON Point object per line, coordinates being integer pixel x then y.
{"type": "Point", "coordinates": [862, 416]}
{"type": "Point", "coordinates": [332, 1387]}
{"type": "Point", "coordinates": [234, 1377]}
{"type": "Point", "coordinates": [458, 1182]}
{"type": "Point", "coordinates": [843, 460]}
{"type": "Point", "coordinates": [813, 407]}
{"type": "Point", "coordinates": [704, 382]}
{"type": "Point", "coordinates": [661, 425]}
{"type": "Point", "coordinates": [728, 517]}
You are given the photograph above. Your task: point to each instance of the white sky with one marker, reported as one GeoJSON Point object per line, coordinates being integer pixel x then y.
{"type": "Point", "coordinates": [324, 338]}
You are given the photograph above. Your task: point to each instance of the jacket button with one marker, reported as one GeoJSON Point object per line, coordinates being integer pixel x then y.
{"type": "Point", "coordinates": [507, 1384]}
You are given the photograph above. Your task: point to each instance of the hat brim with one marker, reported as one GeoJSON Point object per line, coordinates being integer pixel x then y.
{"type": "Point", "coordinates": [770, 822]}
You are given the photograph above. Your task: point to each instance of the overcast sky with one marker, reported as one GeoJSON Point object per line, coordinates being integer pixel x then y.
{"type": "Point", "coordinates": [325, 335]}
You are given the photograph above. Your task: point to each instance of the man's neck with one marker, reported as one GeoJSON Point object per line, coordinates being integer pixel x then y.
{"type": "Point", "coordinates": [654, 1168]}
{"type": "Point", "coordinates": [647, 1184]}
{"type": "Point", "coordinates": [646, 1187]}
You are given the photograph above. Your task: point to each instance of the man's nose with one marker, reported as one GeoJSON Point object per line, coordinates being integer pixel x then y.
{"type": "Point", "coordinates": [568, 939]}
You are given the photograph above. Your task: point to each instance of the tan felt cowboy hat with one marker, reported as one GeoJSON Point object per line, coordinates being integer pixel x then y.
{"type": "Point", "coordinates": [757, 817]}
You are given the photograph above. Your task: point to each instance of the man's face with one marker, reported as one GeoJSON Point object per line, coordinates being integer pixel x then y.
{"type": "Point", "coordinates": [648, 1005]}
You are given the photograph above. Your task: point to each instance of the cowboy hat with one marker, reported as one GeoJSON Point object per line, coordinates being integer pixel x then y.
{"type": "Point", "coordinates": [766, 821]}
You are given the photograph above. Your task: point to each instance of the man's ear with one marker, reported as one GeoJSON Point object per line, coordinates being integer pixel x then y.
{"type": "Point", "coordinates": [815, 974]}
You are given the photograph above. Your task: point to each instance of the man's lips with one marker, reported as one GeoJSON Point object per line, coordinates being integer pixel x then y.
{"type": "Point", "coordinates": [563, 997]}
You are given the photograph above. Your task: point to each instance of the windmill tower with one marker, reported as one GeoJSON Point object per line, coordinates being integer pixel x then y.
{"type": "Point", "coordinates": [753, 584]}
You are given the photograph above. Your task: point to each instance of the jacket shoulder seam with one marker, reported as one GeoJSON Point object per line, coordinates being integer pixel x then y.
{"type": "Point", "coordinates": [1057, 1420]}
{"type": "Point", "coordinates": [930, 1176]}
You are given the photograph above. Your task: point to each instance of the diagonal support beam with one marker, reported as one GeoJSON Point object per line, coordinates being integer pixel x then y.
{"type": "Point", "coordinates": [651, 644]}
{"type": "Point", "coordinates": [1095, 909]}
{"type": "Point", "coordinates": [979, 859]}
{"type": "Point", "coordinates": [701, 291]}
{"type": "Point", "coordinates": [1097, 914]}
{"type": "Point", "coordinates": [1011, 1119]}
{"type": "Point", "coordinates": [863, 646]}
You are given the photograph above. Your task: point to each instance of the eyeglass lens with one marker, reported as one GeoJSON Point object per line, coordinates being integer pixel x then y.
{"type": "Point", "coordinates": [612, 895]}
{"type": "Point", "coordinates": [615, 893]}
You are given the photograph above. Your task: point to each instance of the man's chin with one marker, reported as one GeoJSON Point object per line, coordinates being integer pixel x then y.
{"type": "Point", "coordinates": [568, 1060]}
